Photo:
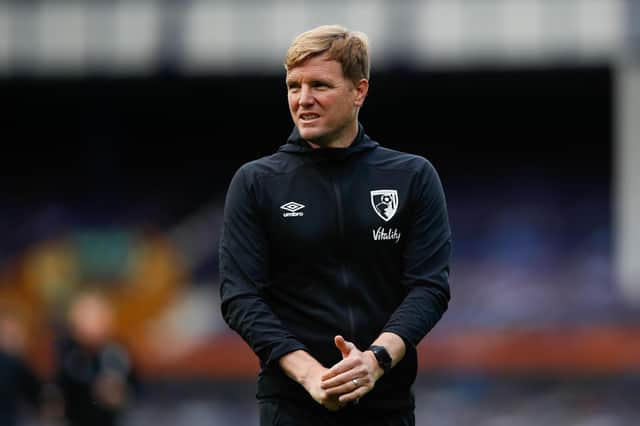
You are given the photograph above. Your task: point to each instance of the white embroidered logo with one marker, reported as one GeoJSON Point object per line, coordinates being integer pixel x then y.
{"type": "Point", "coordinates": [292, 209]}
{"type": "Point", "coordinates": [382, 234]}
{"type": "Point", "coordinates": [385, 203]}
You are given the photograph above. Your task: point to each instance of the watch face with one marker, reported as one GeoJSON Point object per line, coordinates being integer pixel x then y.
{"type": "Point", "coordinates": [383, 357]}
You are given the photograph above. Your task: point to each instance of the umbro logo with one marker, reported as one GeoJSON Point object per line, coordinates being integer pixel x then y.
{"type": "Point", "coordinates": [292, 209]}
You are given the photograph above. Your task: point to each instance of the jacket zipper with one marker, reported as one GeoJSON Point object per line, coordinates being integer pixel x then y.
{"type": "Point", "coordinates": [343, 267]}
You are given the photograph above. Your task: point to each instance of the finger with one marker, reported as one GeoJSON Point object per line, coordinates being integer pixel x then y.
{"type": "Point", "coordinates": [340, 390]}
{"type": "Point", "coordinates": [344, 346]}
{"type": "Point", "coordinates": [339, 368]}
{"type": "Point", "coordinates": [334, 405]}
{"type": "Point", "coordinates": [354, 395]}
{"type": "Point", "coordinates": [347, 387]}
{"type": "Point", "coordinates": [347, 376]}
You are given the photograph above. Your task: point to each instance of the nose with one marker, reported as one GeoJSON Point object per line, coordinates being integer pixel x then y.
{"type": "Point", "coordinates": [306, 96]}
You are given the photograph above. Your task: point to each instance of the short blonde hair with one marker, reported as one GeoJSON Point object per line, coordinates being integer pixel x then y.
{"type": "Point", "coordinates": [349, 48]}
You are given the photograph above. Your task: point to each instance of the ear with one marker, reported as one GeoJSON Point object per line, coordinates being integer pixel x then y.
{"type": "Point", "coordinates": [362, 88]}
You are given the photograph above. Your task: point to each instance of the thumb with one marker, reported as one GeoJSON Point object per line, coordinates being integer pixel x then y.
{"type": "Point", "coordinates": [344, 346]}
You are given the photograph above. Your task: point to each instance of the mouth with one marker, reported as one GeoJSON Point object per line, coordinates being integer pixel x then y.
{"type": "Point", "coordinates": [308, 116]}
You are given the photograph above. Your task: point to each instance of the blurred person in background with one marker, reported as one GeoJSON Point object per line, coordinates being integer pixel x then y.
{"type": "Point", "coordinates": [335, 252]}
{"type": "Point", "coordinates": [95, 374]}
{"type": "Point", "coordinates": [18, 382]}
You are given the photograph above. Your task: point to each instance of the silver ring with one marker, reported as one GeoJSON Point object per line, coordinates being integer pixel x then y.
{"type": "Point", "coordinates": [355, 382]}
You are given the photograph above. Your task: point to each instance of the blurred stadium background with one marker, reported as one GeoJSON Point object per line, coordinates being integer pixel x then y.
{"type": "Point", "coordinates": [124, 120]}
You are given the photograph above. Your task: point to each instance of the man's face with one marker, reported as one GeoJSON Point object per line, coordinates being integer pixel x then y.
{"type": "Point", "coordinates": [323, 103]}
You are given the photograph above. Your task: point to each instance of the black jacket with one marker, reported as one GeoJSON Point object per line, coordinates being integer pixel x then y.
{"type": "Point", "coordinates": [320, 242]}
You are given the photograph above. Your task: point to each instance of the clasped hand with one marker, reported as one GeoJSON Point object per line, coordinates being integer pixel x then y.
{"type": "Point", "coordinates": [348, 380]}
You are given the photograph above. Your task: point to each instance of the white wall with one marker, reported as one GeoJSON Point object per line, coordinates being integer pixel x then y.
{"type": "Point", "coordinates": [79, 36]}
{"type": "Point", "coordinates": [627, 167]}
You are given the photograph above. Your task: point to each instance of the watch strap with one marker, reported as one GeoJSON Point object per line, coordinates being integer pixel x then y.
{"type": "Point", "coordinates": [383, 357]}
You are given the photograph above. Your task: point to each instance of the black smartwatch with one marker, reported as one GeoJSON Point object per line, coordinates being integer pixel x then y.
{"type": "Point", "coordinates": [383, 357]}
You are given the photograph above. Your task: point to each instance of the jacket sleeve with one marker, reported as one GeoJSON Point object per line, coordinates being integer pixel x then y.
{"type": "Point", "coordinates": [244, 275]}
{"type": "Point", "coordinates": [426, 262]}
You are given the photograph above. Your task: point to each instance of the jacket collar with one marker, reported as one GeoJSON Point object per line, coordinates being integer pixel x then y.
{"type": "Point", "coordinates": [297, 145]}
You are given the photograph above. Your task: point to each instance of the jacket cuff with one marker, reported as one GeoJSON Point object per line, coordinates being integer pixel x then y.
{"type": "Point", "coordinates": [283, 348]}
{"type": "Point", "coordinates": [409, 345]}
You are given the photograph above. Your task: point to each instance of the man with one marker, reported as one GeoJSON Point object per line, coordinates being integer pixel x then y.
{"type": "Point", "coordinates": [335, 252]}
{"type": "Point", "coordinates": [95, 374]}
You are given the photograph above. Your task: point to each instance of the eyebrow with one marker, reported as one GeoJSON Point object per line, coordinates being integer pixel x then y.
{"type": "Point", "coordinates": [314, 81]}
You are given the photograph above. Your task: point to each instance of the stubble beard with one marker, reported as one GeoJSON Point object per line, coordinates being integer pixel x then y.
{"type": "Point", "coordinates": [324, 140]}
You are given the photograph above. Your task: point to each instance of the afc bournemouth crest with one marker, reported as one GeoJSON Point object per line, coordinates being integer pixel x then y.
{"type": "Point", "coordinates": [385, 203]}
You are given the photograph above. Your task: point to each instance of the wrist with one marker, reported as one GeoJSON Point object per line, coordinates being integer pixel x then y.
{"type": "Point", "coordinates": [375, 366]}
{"type": "Point", "coordinates": [299, 366]}
{"type": "Point", "coordinates": [306, 377]}
{"type": "Point", "coordinates": [381, 356]}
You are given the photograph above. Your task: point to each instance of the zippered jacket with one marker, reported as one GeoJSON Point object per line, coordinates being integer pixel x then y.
{"type": "Point", "coordinates": [319, 242]}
